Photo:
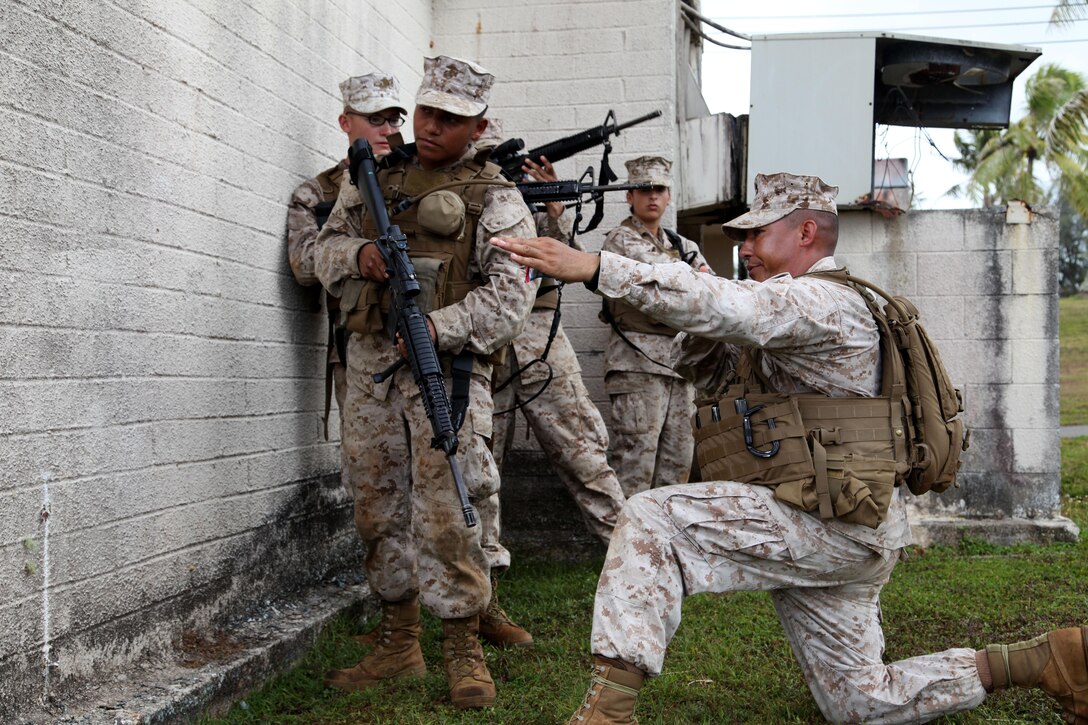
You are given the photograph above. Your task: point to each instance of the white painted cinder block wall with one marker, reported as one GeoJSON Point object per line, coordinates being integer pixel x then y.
{"type": "Point", "coordinates": [985, 284]}
{"type": "Point", "coordinates": [161, 374]}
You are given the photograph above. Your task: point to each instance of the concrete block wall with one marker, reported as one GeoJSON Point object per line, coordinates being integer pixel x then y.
{"type": "Point", "coordinates": [560, 66]}
{"type": "Point", "coordinates": [161, 374]}
{"type": "Point", "coordinates": [986, 288]}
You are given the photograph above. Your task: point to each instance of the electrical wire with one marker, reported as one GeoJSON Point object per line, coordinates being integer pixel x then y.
{"type": "Point", "coordinates": [692, 12]}
{"type": "Point", "coordinates": [698, 31]}
{"type": "Point", "coordinates": [1047, 6]}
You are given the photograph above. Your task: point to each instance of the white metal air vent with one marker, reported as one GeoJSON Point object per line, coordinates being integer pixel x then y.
{"type": "Point", "coordinates": [817, 97]}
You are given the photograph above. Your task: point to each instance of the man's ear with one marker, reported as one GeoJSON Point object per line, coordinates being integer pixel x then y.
{"type": "Point", "coordinates": [345, 125]}
{"type": "Point", "coordinates": [808, 230]}
{"type": "Point", "coordinates": [481, 126]}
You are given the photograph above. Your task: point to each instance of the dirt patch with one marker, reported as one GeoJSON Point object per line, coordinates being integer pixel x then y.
{"type": "Point", "coordinates": [197, 649]}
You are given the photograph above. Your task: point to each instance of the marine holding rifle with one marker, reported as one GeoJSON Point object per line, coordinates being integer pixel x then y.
{"type": "Point", "coordinates": [651, 404]}
{"type": "Point", "coordinates": [419, 549]}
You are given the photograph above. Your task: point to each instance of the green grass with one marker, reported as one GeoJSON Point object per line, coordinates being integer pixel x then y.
{"type": "Point", "coordinates": [1073, 333]}
{"type": "Point", "coordinates": [730, 661]}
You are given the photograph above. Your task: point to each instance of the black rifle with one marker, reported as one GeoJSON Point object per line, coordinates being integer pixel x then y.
{"type": "Point", "coordinates": [409, 323]}
{"type": "Point", "coordinates": [539, 192]}
{"type": "Point", "coordinates": [506, 154]}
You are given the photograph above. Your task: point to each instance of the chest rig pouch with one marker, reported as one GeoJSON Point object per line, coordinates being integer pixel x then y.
{"type": "Point", "coordinates": [834, 457]}
{"type": "Point", "coordinates": [440, 228]}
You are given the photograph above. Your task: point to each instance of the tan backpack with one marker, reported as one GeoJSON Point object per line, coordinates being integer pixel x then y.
{"type": "Point", "coordinates": [842, 457]}
{"type": "Point", "coordinates": [935, 434]}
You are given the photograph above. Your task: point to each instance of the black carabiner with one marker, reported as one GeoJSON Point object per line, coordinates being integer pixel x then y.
{"type": "Point", "coordinates": [746, 419]}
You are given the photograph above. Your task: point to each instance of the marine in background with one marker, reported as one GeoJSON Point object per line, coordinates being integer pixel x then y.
{"type": "Point", "coordinates": [652, 405]}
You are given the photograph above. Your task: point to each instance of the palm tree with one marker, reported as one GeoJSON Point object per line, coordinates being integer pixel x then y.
{"type": "Point", "coordinates": [1051, 141]}
{"type": "Point", "coordinates": [1067, 12]}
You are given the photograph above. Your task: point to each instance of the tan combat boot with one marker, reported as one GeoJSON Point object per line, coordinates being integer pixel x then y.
{"type": "Point", "coordinates": [497, 628]}
{"type": "Point", "coordinates": [397, 653]}
{"type": "Point", "coordinates": [1056, 663]}
{"type": "Point", "coordinates": [369, 639]}
{"type": "Point", "coordinates": [471, 685]}
{"type": "Point", "coordinates": [611, 696]}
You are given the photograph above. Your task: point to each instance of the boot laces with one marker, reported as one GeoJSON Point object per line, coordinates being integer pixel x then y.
{"type": "Point", "coordinates": [463, 655]}
{"type": "Point", "coordinates": [591, 693]}
{"type": "Point", "coordinates": [495, 613]}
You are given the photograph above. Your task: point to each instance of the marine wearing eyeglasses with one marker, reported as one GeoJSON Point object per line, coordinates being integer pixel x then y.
{"type": "Point", "coordinates": [372, 110]}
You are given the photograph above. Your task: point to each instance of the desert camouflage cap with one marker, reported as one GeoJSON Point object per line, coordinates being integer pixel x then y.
{"type": "Point", "coordinates": [779, 194]}
{"type": "Point", "coordinates": [649, 170]}
{"type": "Point", "coordinates": [453, 85]}
{"type": "Point", "coordinates": [492, 135]}
{"type": "Point", "coordinates": [372, 93]}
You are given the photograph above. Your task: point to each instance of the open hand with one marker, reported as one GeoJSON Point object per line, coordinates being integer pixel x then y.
{"type": "Point", "coordinates": [550, 256]}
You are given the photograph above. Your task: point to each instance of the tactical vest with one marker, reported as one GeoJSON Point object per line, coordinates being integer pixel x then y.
{"type": "Point", "coordinates": [630, 319]}
{"type": "Point", "coordinates": [441, 260]}
{"type": "Point", "coordinates": [837, 457]}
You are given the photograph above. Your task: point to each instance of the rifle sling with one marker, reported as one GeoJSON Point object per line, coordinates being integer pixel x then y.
{"type": "Point", "coordinates": [462, 374]}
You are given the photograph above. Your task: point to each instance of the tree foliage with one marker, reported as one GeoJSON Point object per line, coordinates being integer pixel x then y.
{"type": "Point", "coordinates": [1040, 159]}
{"type": "Point", "coordinates": [1067, 12]}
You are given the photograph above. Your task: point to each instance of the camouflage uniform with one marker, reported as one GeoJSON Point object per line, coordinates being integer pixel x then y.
{"type": "Point", "coordinates": [566, 422]}
{"type": "Point", "coordinates": [368, 93]}
{"type": "Point", "coordinates": [824, 577]}
{"type": "Point", "coordinates": [651, 405]}
{"type": "Point", "coordinates": [302, 232]}
{"type": "Point", "coordinates": [409, 516]}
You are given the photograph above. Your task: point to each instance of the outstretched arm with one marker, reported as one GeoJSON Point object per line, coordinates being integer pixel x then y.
{"type": "Point", "coordinates": [550, 256]}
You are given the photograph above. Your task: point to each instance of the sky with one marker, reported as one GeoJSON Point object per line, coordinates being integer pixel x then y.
{"type": "Point", "coordinates": [1005, 22]}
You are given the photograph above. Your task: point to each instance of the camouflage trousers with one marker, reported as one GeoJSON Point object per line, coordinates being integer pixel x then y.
{"type": "Point", "coordinates": [572, 434]}
{"type": "Point", "coordinates": [406, 507]}
{"type": "Point", "coordinates": [340, 391]}
{"type": "Point", "coordinates": [725, 536]}
{"type": "Point", "coordinates": [652, 438]}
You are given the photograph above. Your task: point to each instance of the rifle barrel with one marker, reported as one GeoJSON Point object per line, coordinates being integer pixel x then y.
{"type": "Point", "coordinates": [636, 121]}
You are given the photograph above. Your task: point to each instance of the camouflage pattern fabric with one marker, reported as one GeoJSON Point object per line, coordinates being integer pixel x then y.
{"type": "Point", "coordinates": [824, 577]}
{"type": "Point", "coordinates": [651, 423]}
{"type": "Point", "coordinates": [654, 170]}
{"type": "Point", "coordinates": [651, 404]}
{"type": "Point", "coordinates": [721, 537]}
{"type": "Point", "coordinates": [566, 422]}
{"type": "Point", "coordinates": [778, 195]}
{"type": "Point", "coordinates": [458, 86]}
{"type": "Point", "coordinates": [405, 491]}
{"type": "Point", "coordinates": [302, 225]}
{"type": "Point", "coordinates": [371, 93]}
{"type": "Point", "coordinates": [301, 235]}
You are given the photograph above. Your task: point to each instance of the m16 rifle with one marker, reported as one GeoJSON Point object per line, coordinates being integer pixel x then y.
{"type": "Point", "coordinates": [506, 154]}
{"type": "Point", "coordinates": [540, 192]}
{"type": "Point", "coordinates": [410, 325]}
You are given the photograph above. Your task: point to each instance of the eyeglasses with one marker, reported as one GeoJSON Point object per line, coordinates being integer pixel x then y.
{"type": "Point", "coordinates": [377, 120]}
